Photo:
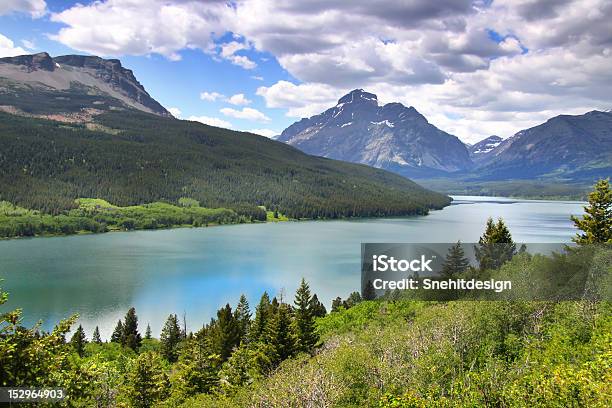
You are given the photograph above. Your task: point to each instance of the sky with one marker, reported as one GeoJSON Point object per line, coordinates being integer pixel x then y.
{"type": "Point", "coordinates": [474, 68]}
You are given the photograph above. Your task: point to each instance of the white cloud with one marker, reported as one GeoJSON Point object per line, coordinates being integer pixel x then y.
{"type": "Point", "coordinates": [229, 50]}
{"type": "Point", "coordinates": [301, 100]}
{"type": "Point", "coordinates": [207, 120]}
{"type": "Point", "coordinates": [265, 132]}
{"type": "Point", "coordinates": [141, 27]}
{"type": "Point", "coordinates": [238, 99]}
{"type": "Point", "coordinates": [36, 8]}
{"type": "Point", "coordinates": [245, 113]}
{"type": "Point", "coordinates": [210, 96]}
{"type": "Point", "coordinates": [176, 112]}
{"type": "Point", "coordinates": [257, 77]}
{"type": "Point", "coordinates": [8, 48]}
{"type": "Point", "coordinates": [28, 44]}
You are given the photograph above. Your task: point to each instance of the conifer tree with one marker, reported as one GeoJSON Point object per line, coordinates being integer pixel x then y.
{"type": "Point", "coordinates": [318, 309]}
{"type": "Point", "coordinates": [225, 333]}
{"type": "Point", "coordinates": [352, 300]}
{"type": "Point", "coordinates": [243, 317]}
{"type": "Point", "coordinates": [131, 337]}
{"type": "Point", "coordinates": [198, 366]}
{"type": "Point", "coordinates": [596, 223]}
{"type": "Point", "coordinates": [262, 317]}
{"type": "Point", "coordinates": [146, 381]}
{"type": "Point", "coordinates": [78, 341]}
{"type": "Point", "coordinates": [148, 335]}
{"type": "Point", "coordinates": [495, 247]}
{"type": "Point", "coordinates": [306, 337]}
{"type": "Point", "coordinates": [95, 338]}
{"type": "Point", "coordinates": [455, 263]}
{"type": "Point", "coordinates": [280, 334]}
{"type": "Point", "coordinates": [368, 292]}
{"type": "Point", "coordinates": [170, 338]}
{"type": "Point", "coordinates": [117, 336]}
{"type": "Point", "coordinates": [336, 304]}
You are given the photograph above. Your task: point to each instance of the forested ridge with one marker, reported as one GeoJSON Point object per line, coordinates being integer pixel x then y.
{"type": "Point", "coordinates": [137, 158]}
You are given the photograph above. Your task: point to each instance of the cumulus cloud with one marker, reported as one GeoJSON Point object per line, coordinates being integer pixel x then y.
{"type": "Point", "coordinates": [8, 48]}
{"type": "Point", "coordinates": [211, 96]}
{"type": "Point", "coordinates": [176, 112]}
{"type": "Point", "coordinates": [265, 132]}
{"type": "Point", "coordinates": [245, 113]}
{"type": "Point", "coordinates": [301, 100]}
{"type": "Point", "coordinates": [36, 8]}
{"type": "Point", "coordinates": [238, 99]}
{"type": "Point", "coordinates": [211, 121]}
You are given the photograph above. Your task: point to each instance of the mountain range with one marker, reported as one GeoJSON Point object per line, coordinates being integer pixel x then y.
{"type": "Point", "coordinates": [82, 126]}
{"type": "Point", "coordinates": [400, 139]}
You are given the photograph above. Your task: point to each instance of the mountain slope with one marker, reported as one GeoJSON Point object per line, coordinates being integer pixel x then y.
{"type": "Point", "coordinates": [572, 147]}
{"type": "Point", "coordinates": [392, 137]}
{"type": "Point", "coordinates": [480, 150]}
{"type": "Point", "coordinates": [39, 84]}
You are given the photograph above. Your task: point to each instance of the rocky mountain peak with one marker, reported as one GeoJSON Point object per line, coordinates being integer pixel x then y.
{"type": "Point", "coordinates": [63, 72]}
{"type": "Point", "coordinates": [359, 96]}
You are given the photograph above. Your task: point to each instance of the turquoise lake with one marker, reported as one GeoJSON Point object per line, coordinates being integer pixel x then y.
{"type": "Point", "coordinates": [195, 271]}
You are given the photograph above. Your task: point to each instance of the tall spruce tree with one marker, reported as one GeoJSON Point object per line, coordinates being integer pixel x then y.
{"type": "Point", "coordinates": [225, 333]}
{"type": "Point", "coordinates": [317, 307]}
{"type": "Point", "coordinates": [148, 334]}
{"type": "Point", "coordinates": [95, 338]}
{"type": "Point", "coordinates": [243, 317]}
{"type": "Point", "coordinates": [262, 318]}
{"type": "Point", "coordinates": [280, 334]}
{"type": "Point", "coordinates": [596, 223]}
{"type": "Point", "coordinates": [131, 337]}
{"type": "Point", "coordinates": [170, 338]}
{"type": "Point", "coordinates": [117, 336]}
{"type": "Point", "coordinates": [303, 320]}
{"type": "Point", "coordinates": [78, 341]}
{"type": "Point", "coordinates": [146, 381]}
{"type": "Point", "coordinates": [455, 263]}
{"type": "Point", "coordinates": [495, 247]}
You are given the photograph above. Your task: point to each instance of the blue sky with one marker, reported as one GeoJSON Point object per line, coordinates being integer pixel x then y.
{"type": "Point", "coordinates": [472, 67]}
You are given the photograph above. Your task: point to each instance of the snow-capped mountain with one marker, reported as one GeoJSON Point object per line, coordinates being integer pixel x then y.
{"type": "Point", "coordinates": [392, 137]}
{"type": "Point", "coordinates": [481, 149]}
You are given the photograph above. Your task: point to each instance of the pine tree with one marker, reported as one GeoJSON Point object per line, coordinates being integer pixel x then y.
{"type": "Point", "coordinates": [243, 317]}
{"type": "Point", "coordinates": [148, 335]}
{"type": "Point", "coordinates": [280, 335]}
{"type": "Point", "coordinates": [455, 263]}
{"type": "Point", "coordinates": [336, 304]}
{"type": "Point", "coordinates": [352, 300]}
{"type": "Point", "coordinates": [303, 319]}
{"type": "Point", "coordinates": [225, 333]}
{"type": "Point", "coordinates": [318, 309]}
{"type": "Point", "coordinates": [495, 247]}
{"type": "Point", "coordinates": [596, 223]}
{"type": "Point", "coordinates": [78, 341]}
{"type": "Point", "coordinates": [368, 291]}
{"type": "Point", "coordinates": [117, 336]}
{"type": "Point", "coordinates": [131, 338]}
{"type": "Point", "coordinates": [95, 338]}
{"type": "Point", "coordinates": [170, 338]}
{"type": "Point", "coordinates": [262, 317]}
{"type": "Point", "coordinates": [146, 381]}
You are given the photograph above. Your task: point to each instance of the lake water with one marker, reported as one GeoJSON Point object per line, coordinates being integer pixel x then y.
{"type": "Point", "coordinates": [195, 271]}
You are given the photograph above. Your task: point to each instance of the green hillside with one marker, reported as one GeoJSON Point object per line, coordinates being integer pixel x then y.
{"type": "Point", "coordinates": [130, 158]}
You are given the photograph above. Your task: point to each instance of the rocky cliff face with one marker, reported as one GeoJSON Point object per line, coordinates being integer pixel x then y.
{"type": "Point", "coordinates": [392, 137]}
{"type": "Point", "coordinates": [78, 73]}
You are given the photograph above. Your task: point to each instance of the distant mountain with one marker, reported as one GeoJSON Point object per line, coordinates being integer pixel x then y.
{"type": "Point", "coordinates": [480, 150]}
{"type": "Point", "coordinates": [392, 137]}
{"type": "Point", "coordinates": [571, 147]}
{"type": "Point", "coordinates": [39, 84]}
{"type": "Point", "coordinates": [79, 126]}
